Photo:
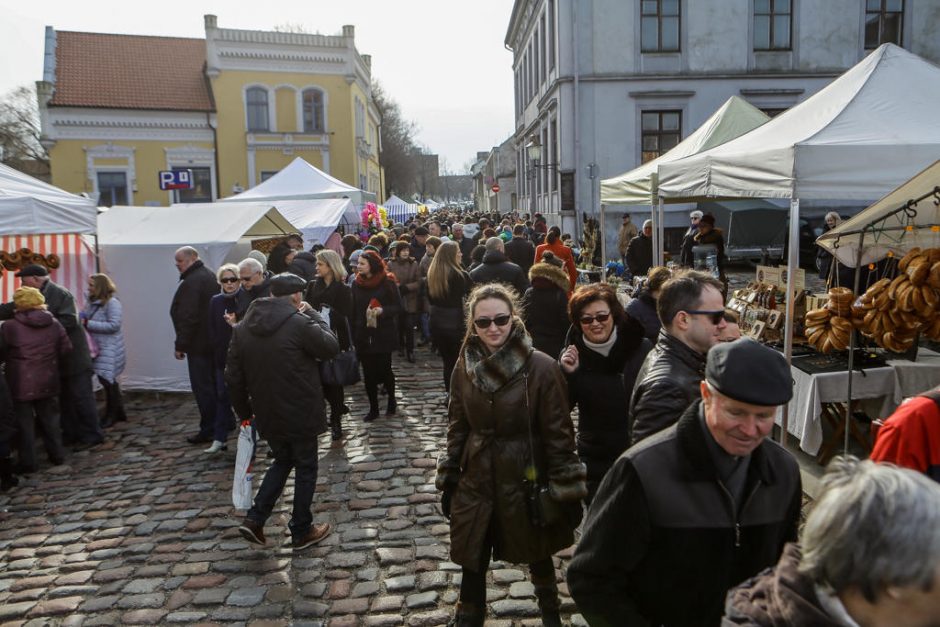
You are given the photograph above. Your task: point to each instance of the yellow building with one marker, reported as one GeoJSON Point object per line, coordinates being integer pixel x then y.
{"type": "Point", "coordinates": [234, 108]}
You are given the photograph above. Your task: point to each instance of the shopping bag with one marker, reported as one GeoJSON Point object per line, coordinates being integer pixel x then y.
{"type": "Point", "coordinates": [244, 463]}
{"type": "Point", "coordinates": [93, 350]}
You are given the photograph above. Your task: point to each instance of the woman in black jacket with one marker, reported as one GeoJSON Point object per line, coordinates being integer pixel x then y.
{"type": "Point", "coordinates": [545, 304]}
{"type": "Point", "coordinates": [447, 287]}
{"type": "Point", "coordinates": [329, 290]}
{"type": "Point", "coordinates": [604, 351]}
{"type": "Point", "coordinates": [376, 304]}
{"type": "Point", "coordinates": [643, 306]}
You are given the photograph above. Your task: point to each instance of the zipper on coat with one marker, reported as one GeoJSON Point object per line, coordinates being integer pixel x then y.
{"type": "Point", "coordinates": [734, 509]}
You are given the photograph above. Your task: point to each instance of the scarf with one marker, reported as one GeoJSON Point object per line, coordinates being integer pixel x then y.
{"type": "Point", "coordinates": [604, 347]}
{"type": "Point", "coordinates": [490, 372]}
{"type": "Point", "coordinates": [372, 282]}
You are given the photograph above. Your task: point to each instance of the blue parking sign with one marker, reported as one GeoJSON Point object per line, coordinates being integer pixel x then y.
{"type": "Point", "coordinates": [176, 179]}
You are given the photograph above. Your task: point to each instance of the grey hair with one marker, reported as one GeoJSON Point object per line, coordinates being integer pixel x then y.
{"type": "Point", "coordinates": [228, 267]}
{"type": "Point", "coordinates": [494, 243]}
{"type": "Point", "coordinates": [833, 214]}
{"type": "Point", "coordinates": [188, 251]}
{"type": "Point", "coordinates": [251, 264]}
{"type": "Point", "coordinates": [873, 526]}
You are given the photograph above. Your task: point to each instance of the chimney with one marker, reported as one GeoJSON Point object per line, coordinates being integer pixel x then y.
{"type": "Point", "coordinates": [349, 31]}
{"type": "Point", "coordinates": [212, 22]}
{"type": "Point", "coordinates": [367, 59]}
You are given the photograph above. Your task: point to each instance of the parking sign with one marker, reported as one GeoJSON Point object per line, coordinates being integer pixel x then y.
{"type": "Point", "coordinates": [176, 179]}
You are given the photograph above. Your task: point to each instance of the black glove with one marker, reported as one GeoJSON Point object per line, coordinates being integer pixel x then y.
{"type": "Point", "coordinates": [446, 498]}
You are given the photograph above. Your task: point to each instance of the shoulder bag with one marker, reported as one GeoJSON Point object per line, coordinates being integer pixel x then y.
{"type": "Point", "coordinates": [342, 369]}
{"type": "Point", "coordinates": [544, 511]}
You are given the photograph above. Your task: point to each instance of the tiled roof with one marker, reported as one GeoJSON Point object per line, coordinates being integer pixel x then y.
{"type": "Point", "coordinates": [130, 72]}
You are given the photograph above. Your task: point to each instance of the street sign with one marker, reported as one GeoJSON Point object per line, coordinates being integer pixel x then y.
{"type": "Point", "coordinates": [176, 179]}
{"type": "Point", "coordinates": [495, 189]}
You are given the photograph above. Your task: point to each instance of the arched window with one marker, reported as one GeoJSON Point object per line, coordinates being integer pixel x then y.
{"type": "Point", "coordinates": [257, 102]}
{"type": "Point", "coordinates": [313, 111]}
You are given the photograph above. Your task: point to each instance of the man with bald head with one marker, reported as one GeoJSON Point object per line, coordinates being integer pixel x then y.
{"type": "Point", "coordinates": [190, 314]}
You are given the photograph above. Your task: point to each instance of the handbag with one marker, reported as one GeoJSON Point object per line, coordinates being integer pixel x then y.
{"type": "Point", "coordinates": [244, 465]}
{"type": "Point", "coordinates": [342, 369]}
{"type": "Point", "coordinates": [93, 349]}
{"type": "Point", "coordinates": [544, 511]}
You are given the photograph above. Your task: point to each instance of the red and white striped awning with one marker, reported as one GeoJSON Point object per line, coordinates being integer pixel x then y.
{"type": "Point", "coordinates": [77, 262]}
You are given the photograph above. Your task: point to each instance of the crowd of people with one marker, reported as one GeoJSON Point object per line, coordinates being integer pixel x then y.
{"type": "Point", "coordinates": [682, 498]}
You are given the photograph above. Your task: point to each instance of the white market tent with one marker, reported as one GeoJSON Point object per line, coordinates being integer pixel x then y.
{"type": "Point", "coordinates": [137, 246]}
{"type": "Point", "coordinates": [47, 220]}
{"type": "Point", "coordinates": [399, 210]}
{"type": "Point", "coordinates": [886, 227]}
{"type": "Point", "coordinates": [316, 218]}
{"type": "Point", "coordinates": [639, 186]}
{"type": "Point", "coordinates": [300, 181]}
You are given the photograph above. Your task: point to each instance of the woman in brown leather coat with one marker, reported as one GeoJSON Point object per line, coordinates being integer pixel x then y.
{"type": "Point", "coordinates": [508, 405]}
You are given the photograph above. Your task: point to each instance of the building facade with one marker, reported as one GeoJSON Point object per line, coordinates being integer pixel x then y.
{"type": "Point", "coordinates": [234, 108]}
{"type": "Point", "coordinates": [606, 85]}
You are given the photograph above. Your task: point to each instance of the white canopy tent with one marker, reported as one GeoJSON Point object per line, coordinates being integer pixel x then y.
{"type": "Point", "coordinates": [895, 224]}
{"type": "Point", "coordinates": [137, 246]}
{"type": "Point", "coordinates": [299, 181]}
{"type": "Point", "coordinates": [316, 219]}
{"type": "Point", "coordinates": [28, 206]}
{"type": "Point", "coordinates": [399, 210]}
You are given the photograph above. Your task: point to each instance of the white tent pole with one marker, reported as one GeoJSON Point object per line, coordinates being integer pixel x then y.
{"type": "Point", "coordinates": [602, 232]}
{"type": "Point", "coordinates": [661, 222]}
{"type": "Point", "coordinates": [655, 218]}
{"type": "Point", "coordinates": [792, 264]}
{"type": "Point", "coordinates": [848, 397]}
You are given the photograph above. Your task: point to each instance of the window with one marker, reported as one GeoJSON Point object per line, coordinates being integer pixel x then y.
{"type": "Point", "coordinates": [113, 189]}
{"type": "Point", "coordinates": [256, 100]}
{"type": "Point", "coordinates": [883, 22]}
{"type": "Point", "coordinates": [202, 186]}
{"type": "Point", "coordinates": [659, 26]}
{"type": "Point", "coordinates": [266, 174]}
{"type": "Point", "coordinates": [555, 158]}
{"type": "Point", "coordinates": [661, 131]}
{"type": "Point", "coordinates": [537, 53]}
{"type": "Point", "coordinates": [551, 34]}
{"type": "Point", "coordinates": [313, 111]}
{"type": "Point", "coordinates": [772, 20]}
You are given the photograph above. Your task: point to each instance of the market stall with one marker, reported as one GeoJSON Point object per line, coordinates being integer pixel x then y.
{"type": "Point", "coordinates": [299, 181]}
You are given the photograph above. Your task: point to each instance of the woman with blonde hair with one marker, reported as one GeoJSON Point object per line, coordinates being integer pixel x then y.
{"type": "Point", "coordinates": [223, 308]}
{"type": "Point", "coordinates": [823, 256]}
{"type": "Point", "coordinates": [510, 477]}
{"type": "Point", "coordinates": [329, 292]}
{"type": "Point", "coordinates": [447, 286]}
{"type": "Point", "coordinates": [102, 318]}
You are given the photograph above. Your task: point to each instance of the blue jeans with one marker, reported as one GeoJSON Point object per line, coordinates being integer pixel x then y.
{"type": "Point", "coordinates": [425, 327]}
{"type": "Point", "coordinates": [224, 418]}
{"type": "Point", "coordinates": [202, 381]}
{"type": "Point", "coordinates": [301, 456]}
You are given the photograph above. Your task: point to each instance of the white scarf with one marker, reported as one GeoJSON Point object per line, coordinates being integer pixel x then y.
{"type": "Point", "coordinates": [604, 347]}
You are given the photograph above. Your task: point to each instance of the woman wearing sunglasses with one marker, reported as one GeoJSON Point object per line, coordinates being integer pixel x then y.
{"type": "Point", "coordinates": [222, 310]}
{"type": "Point", "coordinates": [509, 433]}
{"type": "Point", "coordinates": [604, 351]}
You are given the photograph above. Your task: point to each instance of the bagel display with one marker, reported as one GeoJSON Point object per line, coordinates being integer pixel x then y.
{"type": "Point", "coordinates": [830, 327]}
{"type": "Point", "coordinates": [18, 259]}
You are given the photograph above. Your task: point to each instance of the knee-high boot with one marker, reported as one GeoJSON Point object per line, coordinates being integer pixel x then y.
{"type": "Point", "coordinates": [546, 591]}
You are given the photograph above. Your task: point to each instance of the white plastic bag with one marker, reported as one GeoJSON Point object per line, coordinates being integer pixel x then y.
{"type": "Point", "coordinates": [244, 463]}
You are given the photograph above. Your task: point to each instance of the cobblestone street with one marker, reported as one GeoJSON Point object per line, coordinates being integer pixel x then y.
{"type": "Point", "coordinates": [141, 530]}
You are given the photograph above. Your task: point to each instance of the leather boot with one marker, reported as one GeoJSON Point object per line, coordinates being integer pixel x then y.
{"type": "Point", "coordinates": [7, 479]}
{"type": "Point", "coordinates": [336, 426]}
{"type": "Point", "coordinates": [549, 605]}
{"type": "Point", "coordinates": [467, 615]}
{"type": "Point", "coordinates": [411, 356]}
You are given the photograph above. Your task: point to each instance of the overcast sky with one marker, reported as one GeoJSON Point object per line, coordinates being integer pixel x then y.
{"type": "Point", "coordinates": [443, 61]}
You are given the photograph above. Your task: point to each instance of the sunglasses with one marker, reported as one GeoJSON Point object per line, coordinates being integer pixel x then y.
{"type": "Point", "coordinates": [601, 317]}
{"type": "Point", "coordinates": [714, 317]}
{"type": "Point", "coordinates": [484, 323]}
{"type": "Point", "coordinates": [245, 279]}
{"type": "Point", "coordinates": [229, 280]}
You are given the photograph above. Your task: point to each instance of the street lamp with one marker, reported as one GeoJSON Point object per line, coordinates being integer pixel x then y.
{"type": "Point", "coordinates": [533, 151]}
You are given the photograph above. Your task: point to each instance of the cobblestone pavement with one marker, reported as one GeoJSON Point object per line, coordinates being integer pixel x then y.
{"type": "Point", "coordinates": [141, 530]}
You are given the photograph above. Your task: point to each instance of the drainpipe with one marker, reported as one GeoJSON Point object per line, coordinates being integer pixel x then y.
{"type": "Point", "coordinates": [577, 116]}
{"type": "Point", "coordinates": [215, 155]}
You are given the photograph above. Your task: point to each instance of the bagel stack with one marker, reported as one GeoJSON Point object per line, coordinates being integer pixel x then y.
{"type": "Point", "coordinates": [16, 260]}
{"type": "Point", "coordinates": [829, 328]}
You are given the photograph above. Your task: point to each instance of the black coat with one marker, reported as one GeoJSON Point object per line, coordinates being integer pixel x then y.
{"type": "Point", "coordinates": [640, 255]}
{"type": "Point", "coordinates": [643, 309]}
{"type": "Point", "coordinates": [338, 297]}
{"type": "Point", "coordinates": [245, 296]}
{"type": "Point", "coordinates": [521, 252]}
{"type": "Point", "coordinates": [304, 265]}
{"type": "Point", "coordinates": [664, 542]}
{"type": "Point", "coordinates": [276, 257]}
{"type": "Point", "coordinates": [466, 249]}
{"type": "Point", "coordinates": [601, 387]}
{"type": "Point", "coordinates": [383, 338]}
{"type": "Point", "coordinates": [666, 385]}
{"type": "Point", "coordinates": [545, 308]}
{"type": "Point", "coordinates": [272, 369]}
{"type": "Point", "coordinates": [190, 309]}
{"type": "Point", "coordinates": [496, 268]}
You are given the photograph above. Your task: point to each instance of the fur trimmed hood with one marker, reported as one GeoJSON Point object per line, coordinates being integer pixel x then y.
{"type": "Point", "coordinates": [550, 272]}
{"type": "Point", "coordinates": [492, 372]}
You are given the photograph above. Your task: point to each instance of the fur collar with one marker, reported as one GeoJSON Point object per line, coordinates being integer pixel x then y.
{"type": "Point", "coordinates": [551, 273]}
{"type": "Point", "coordinates": [491, 372]}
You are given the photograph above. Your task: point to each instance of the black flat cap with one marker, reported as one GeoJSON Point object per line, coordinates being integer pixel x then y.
{"type": "Point", "coordinates": [749, 372]}
{"type": "Point", "coordinates": [287, 283]}
{"type": "Point", "coordinates": [421, 231]}
{"type": "Point", "coordinates": [33, 269]}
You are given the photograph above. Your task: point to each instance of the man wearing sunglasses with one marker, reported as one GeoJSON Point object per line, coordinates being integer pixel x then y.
{"type": "Point", "coordinates": [254, 285]}
{"type": "Point", "coordinates": [692, 311]}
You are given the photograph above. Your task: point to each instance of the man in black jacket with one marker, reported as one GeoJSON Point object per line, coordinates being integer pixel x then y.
{"type": "Point", "coordinates": [520, 250]}
{"type": "Point", "coordinates": [466, 244]}
{"type": "Point", "coordinates": [640, 251]}
{"type": "Point", "coordinates": [272, 372]}
{"type": "Point", "coordinates": [693, 511]}
{"type": "Point", "coordinates": [255, 284]}
{"type": "Point", "coordinates": [496, 268]}
{"type": "Point", "coordinates": [692, 311]}
{"type": "Point", "coordinates": [79, 412]}
{"type": "Point", "coordinates": [190, 314]}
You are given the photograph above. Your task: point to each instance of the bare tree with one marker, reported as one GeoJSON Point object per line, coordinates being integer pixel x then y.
{"type": "Point", "coordinates": [398, 145]}
{"type": "Point", "coordinates": [19, 130]}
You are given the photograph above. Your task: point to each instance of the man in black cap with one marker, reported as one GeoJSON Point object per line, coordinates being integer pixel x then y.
{"type": "Point", "coordinates": [418, 248]}
{"type": "Point", "coordinates": [273, 377]}
{"type": "Point", "coordinates": [77, 407]}
{"type": "Point", "coordinates": [689, 513]}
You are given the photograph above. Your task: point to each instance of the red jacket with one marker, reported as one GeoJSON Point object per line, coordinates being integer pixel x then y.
{"type": "Point", "coordinates": [562, 252]}
{"type": "Point", "coordinates": [33, 341]}
{"type": "Point", "coordinates": [910, 437]}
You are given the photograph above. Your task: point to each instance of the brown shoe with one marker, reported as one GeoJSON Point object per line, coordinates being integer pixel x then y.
{"type": "Point", "coordinates": [252, 531]}
{"type": "Point", "coordinates": [314, 536]}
